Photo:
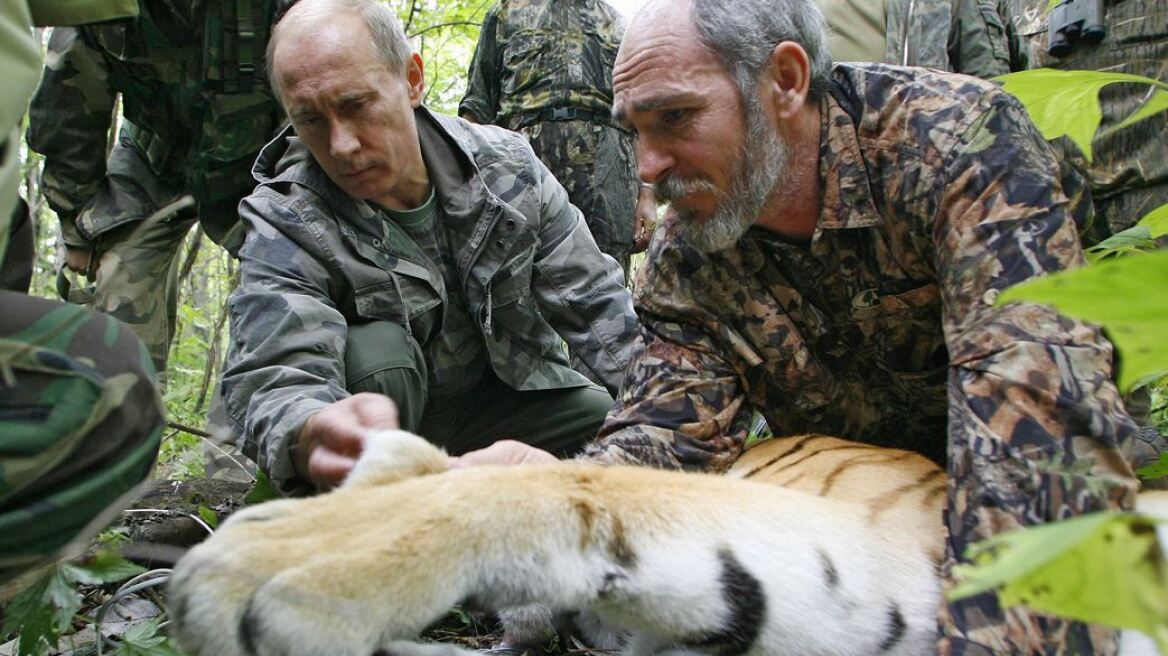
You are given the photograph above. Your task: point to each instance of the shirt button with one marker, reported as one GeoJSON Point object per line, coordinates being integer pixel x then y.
{"type": "Point", "coordinates": [990, 296]}
{"type": "Point", "coordinates": [499, 243]}
{"type": "Point", "coordinates": [510, 224]}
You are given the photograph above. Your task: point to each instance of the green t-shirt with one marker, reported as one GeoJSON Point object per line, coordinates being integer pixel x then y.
{"type": "Point", "coordinates": [456, 356]}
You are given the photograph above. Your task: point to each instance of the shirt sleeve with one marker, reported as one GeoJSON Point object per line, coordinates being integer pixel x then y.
{"type": "Point", "coordinates": [69, 123]}
{"type": "Point", "coordinates": [681, 404]}
{"type": "Point", "coordinates": [481, 101]}
{"type": "Point", "coordinates": [288, 341]}
{"type": "Point", "coordinates": [1037, 431]}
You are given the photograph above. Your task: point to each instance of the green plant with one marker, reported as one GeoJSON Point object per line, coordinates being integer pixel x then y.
{"type": "Point", "coordinates": [1107, 567]}
{"type": "Point", "coordinates": [43, 612]}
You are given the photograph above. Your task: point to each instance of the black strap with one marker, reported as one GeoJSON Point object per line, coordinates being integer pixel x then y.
{"type": "Point", "coordinates": [562, 114]}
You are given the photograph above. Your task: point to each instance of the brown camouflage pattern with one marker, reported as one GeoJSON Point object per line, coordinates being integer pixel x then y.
{"type": "Point", "coordinates": [546, 54]}
{"type": "Point", "coordinates": [1129, 173]}
{"type": "Point", "coordinates": [937, 193]}
{"type": "Point", "coordinates": [532, 279]}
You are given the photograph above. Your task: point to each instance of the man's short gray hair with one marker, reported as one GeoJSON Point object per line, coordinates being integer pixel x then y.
{"type": "Point", "coordinates": [389, 39]}
{"type": "Point", "coordinates": [744, 32]}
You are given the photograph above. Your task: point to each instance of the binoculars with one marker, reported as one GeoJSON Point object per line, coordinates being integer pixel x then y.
{"type": "Point", "coordinates": [1072, 21]}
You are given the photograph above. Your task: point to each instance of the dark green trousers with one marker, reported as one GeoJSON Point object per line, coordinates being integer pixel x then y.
{"type": "Point", "coordinates": [380, 357]}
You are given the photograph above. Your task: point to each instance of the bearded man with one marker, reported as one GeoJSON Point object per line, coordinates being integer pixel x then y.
{"type": "Point", "coordinates": [836, 245]}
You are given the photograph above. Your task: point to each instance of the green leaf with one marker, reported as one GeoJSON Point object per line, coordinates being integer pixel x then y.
{"type": "Point", "coordinates": [1135, 239]}
{"type": "Point", "coordinates": [1066, 103]}
{"type": "Point", "coordinates": [1128, 296]}
{"type": "Point", "coordinates": [1154, 105]}
{"type": "Point", "coordinates": [209, 516]}
{"type": "Point", "coordinates": [1154, 471]}
{"type": "Point", "coordinates": [144, 639]}
{"type": "Point", "coordinates": [1156, 222]}
{"type": "Point", "coordinates": [1106, 568]}
{"type": "Point", "coordinates": [105, 567]}
{"type": "Point", "coordinates": [263, 490]}
{"type": "Point", "coordinates": [42, 612]}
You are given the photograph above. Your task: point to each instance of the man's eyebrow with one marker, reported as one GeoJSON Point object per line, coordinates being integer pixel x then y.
{"type": "Point", "coordinates": [653, 103]}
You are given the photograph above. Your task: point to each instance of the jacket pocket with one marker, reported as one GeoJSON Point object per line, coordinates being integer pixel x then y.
{"type": "Point", "coordinates": [904, 329]}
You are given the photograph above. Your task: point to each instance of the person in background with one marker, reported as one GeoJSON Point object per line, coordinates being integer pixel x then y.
{"type": "Point", "coordinates": [197, 111]}
{"type": "Point", "coordinates": [544, 68]}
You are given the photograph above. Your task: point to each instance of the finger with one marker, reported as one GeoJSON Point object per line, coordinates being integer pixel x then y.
{"type": "Point", "coordinates": [375, 411]}
{"type": "Point", "coordinates": [327, 468]}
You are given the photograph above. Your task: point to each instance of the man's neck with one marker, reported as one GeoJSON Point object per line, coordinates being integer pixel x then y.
{"type": "Point", "coordinates": [794, 212]}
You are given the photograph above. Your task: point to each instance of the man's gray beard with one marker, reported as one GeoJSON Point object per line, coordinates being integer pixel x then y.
{"type": "Point", "coordinates": [762, 165]}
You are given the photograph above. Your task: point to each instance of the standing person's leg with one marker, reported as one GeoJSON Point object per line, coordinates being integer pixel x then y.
{"type": "Point", "coordinates": [135, 250]}
{"type": "Point", "coordinates": [80, 425]}
{"type": "Point", "coordinates": [596, 166]}
{"type": "Point", "coordinates": [137, 281]}
{"type": "Point", "coordinates": [17, 260]}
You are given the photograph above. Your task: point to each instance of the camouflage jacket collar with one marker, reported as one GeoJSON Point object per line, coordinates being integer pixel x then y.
{"type": "Point", "coordinates": [846, 193]}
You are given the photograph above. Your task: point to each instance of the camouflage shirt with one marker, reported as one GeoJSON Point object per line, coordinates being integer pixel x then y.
{"type": "Point", "coordinates": [194, 97]}
{"type": "Point", "coordinates": [542, 54]}
{"type": "Point", "coordinates": [937, 193]}
{"type": "Point", "coordinates": [975, 37]}
{"type": "Point", "coordinates": [312, 262]}
{"type": "Point", "coordinates": [1129, 172]}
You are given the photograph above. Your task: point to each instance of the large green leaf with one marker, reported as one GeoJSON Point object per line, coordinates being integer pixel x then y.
{"type": "Point", "coordinates": [1128, 296]}
{"type": "Point", "coordinates": [1067, 102]}
{"type": "Point", "coordinates": [1106, 568]}
{"type": "Point", "coordinates": [1156, 222]}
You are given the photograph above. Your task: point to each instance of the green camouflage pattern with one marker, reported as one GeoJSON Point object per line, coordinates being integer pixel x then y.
{"type": "Point", "coordinates": [197, 111]}
{"type": "Point", "coordinates": [975, 37]}
{"type": "Point", "coordinates": [547, 54]}
{"type": "Point", "coordinates": [541, 54]}
{"type": "Point", "coordinates": [1129, 172]}
{"type": "Point", "coordinates": [597, 167]}
{"type": "Point", "coordinates": [81, 421]}
{"type": "Point", "coordinates": [194, 95]}
{"type": "Point", "coordinates": [532, 279]}
{"type": "Point", "coordinates": [884, 329]}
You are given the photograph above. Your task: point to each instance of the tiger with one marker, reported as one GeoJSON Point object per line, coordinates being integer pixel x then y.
{"type": "Point", "coordinates": [807, 545]}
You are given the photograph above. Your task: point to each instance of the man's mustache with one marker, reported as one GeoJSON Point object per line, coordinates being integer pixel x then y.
{"type": "Point", "coordinates": [674, 187]}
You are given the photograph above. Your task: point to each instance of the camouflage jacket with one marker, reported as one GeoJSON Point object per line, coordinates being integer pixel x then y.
{"type": "Point", "coordinates": [311, 263]}
{"type": "Point", "coordinates": [937, 193]}
{"type": "Point", "coordinates": [20, 54]}
{"type": "Point", "coordinates": [975, 37]}
{"type": "Point", "coordinates": [1129, 171]}
{"type": "Point", "coordinates": [542, 54]}
{"type": "Point", "coordinates": [194, 97]}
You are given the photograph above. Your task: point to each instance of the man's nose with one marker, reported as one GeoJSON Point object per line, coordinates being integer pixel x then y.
{"type": "Point", "coordinates": [653, 162]}
{"type": "Point", "coordinates": [343, 140]}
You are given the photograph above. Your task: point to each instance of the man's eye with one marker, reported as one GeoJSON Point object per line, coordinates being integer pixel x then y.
{"type": "Point", "coordinates": [673, 116]}
{"type": "Point", "coordinates": [307, 121]}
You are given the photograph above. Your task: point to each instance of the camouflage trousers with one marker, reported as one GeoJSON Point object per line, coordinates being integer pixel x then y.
{"type": "Point", "coordinates": [596, 165]}
{"type": "Point", "coordinates": [80, 425]}
{"type": "Point", "coordinates": [138, 223]}
{"type": "Point", "coordinates": [380, 357]}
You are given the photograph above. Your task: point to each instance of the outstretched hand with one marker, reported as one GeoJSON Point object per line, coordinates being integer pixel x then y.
{"type": "Point", "coordinates": [503, 452]}
{"type": "Point", "coordinates": [332, 439]}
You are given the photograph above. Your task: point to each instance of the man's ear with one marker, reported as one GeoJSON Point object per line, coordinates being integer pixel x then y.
{"type": "Point", "coordinates": [786, 80]}
{"type": "Point", "coordinates": [416, 79]}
